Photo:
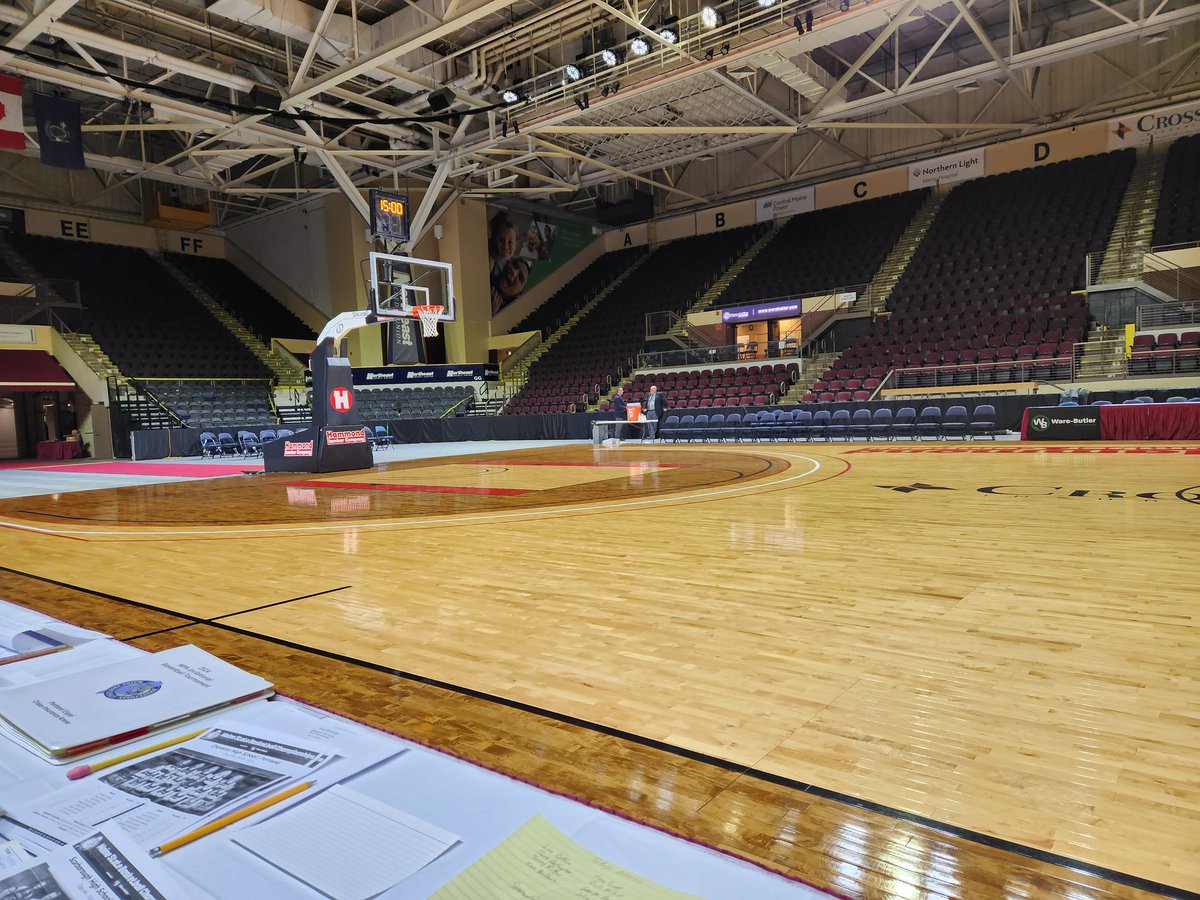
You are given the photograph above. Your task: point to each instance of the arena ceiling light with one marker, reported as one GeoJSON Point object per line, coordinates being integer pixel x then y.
{"type": "Point", "coordinates": [766, 4]}
{"type": "Point", "coordinates": [612, 56]}
{"type": "Point", "coordinates": [639, 46]}
{"type": "Point", "coordinates": [711, 17]}
{"type": "Point", "coordinates": [572, 72]}
{"type": "Point", "coordinates": [668, 30]}
{"type": "Point", "coordinates": [509, 96]}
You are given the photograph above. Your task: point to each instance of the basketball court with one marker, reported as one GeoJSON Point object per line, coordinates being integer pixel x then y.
{"type": "Point", "coordinates": [818, 656]}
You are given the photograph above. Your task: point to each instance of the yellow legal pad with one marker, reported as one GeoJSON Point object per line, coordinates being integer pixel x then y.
{"type": "Point", "coordinates": [539, 862]}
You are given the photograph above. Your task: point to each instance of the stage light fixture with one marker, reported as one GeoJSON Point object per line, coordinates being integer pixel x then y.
{"type": "Point", "coordinates": [668, 30]}
{"type": "Point", "coordinates": [708, 54]}
{"type": "Point", "coordinates": [725, 49]}
{"type": "Point", "coordinates": [710, 17]}
{"type": "Point", "coordinates": [766, 4]}
{"type": "Point", "coordinates": [612, 56]}
{"type": "Point", "coordinates": [572, 71]}
{"type": "Point", "coordinates": [798, 24]}
{"type": "Point", "coordinates": [639, 46]}
{"type": "Point", "coordinates": [616, 86]}
{"type": "Point", "coordinates": [583, 102]}
{"type": "Point", "coordinates": [509, 96]}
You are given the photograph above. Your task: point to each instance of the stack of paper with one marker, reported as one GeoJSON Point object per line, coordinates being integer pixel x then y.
{"type": "Point", "coordinates": [70, 716]}
{"type": "Point", "coordinates": [25, 634]}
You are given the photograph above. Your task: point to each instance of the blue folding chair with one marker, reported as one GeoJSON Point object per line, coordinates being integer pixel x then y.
{"type": "Point", "coordinates": [929, 422]}
{"type": "Point", "coordinates": [733, 425]}
{"type": "Point", "coordinates": [839, 425]}
{"type": "Point", "coordinates": [749, 423]}
{"type": "Point", "coordinates": [716, 427]}
{"type": "Point", "coordinates": [687, 424]}
{"type": "Point", "coordinates": [881, 424]}
{"type": "Point", "coordinates": [905, 423]}
{"type": "Point", "coordinates": [819, 428]}
{"type": "Point", "coordinates": [249, 444]}
{"type": "Point", "coordinates": [209, 446]}
{"type": "Point", "coordinates": [669, 430]}
{"type": "Point", "coordinates": [983, 421]}
{"type": "Point", "coordinates": [801, 428]}
{"type": "Point", "coordinates": [954, 423]}
{"type": "Point", "coordinates": [383, 437]}
{"type": "Point", "coordinates": [860, 424]}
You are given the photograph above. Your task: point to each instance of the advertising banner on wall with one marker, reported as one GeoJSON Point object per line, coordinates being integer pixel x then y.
{"type": "Point", "coordinates": [385, 375]}
{"type": "Point", "coordinates": [1158, 125]}
{"type": "Point", "coordinates": [945, 169]}
{"type": "Point", "coordinates": [524, 248]}
{"type": "Point", "coordinates": [789, 203]}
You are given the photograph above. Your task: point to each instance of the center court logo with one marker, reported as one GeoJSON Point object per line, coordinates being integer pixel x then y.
{"type": "Point", "coordinates": [132, 690]}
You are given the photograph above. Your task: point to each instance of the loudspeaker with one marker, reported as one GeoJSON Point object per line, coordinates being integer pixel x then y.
{"type": "Point", "coordinates": [440, 100]}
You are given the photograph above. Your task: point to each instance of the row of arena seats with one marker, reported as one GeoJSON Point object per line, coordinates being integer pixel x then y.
{"type": "Point", "coordinates": [703, 388]}
{"type": "Point", "coordinates": [1165, 353]}
{"type": "Point", "coordinates": [425, 402]}
{"type": "Point", "coordinates": [698, 402]}
{"type": "Point", "coordinates": [842, 245]}
{"type": "Point", "coordinates": [602, 344]}
{"type": "Point", "coordinates": [140, 315]}
{"type": "Point", "coordinates": [217, 444]}
{"type": "Point", "coordinates": [1016, 241]}
{"type": "Point", "coordinates": [204, 404]}
{"type": "Point", "coordinates": [804, 425]}
{"type": "Point", "coordinates": [1177, 219]}
{"type": "Point", "coordinates": [242, 297]}
{"type": "Point", "coordinates": [577, 292]}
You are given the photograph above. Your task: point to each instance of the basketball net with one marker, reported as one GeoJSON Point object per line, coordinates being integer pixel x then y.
{"type": "Point", "coordinates": [429, 315]}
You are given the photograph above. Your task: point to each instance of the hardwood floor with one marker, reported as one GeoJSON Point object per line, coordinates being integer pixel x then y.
{"type": "Point", "coordinates": [889, 669]}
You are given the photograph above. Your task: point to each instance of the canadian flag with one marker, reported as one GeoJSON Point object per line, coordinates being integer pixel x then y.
{"type": "Point", "coordinates": [12, 124]}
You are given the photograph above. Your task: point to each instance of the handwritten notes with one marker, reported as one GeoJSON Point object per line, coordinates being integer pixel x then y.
{"type": "Point", "coordinates": [539, 862]}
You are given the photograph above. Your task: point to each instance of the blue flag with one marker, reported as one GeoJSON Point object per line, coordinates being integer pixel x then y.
{"type": "Point", "coordinates": [58, 129]}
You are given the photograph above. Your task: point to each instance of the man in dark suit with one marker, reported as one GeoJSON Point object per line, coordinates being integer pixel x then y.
{"type": "Point", "coordinates": [618, 408]}
{"type": "Point", "coordinates": [655, 409]}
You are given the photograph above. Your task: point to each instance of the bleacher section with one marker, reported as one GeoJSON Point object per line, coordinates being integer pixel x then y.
{"type": "Point", "coordinates": [572, 296]}
{"type": "Point", "coordinates": [380, 404]}
{"type": "Point", "coordinates": [144, 320]}
{"type": "Point", "coordinates": [208, 404]}
{"type": "Point", "coordinates": [261, 314]}
{"type": "Point", "coordinates": [704, 388]}
{"type": "Point", "coordinates": [1178, 218]}
{"type": "Point", "coordinates": [601, 347]}
{"type": "Point", "coordinates": [830, 248]}
{"type": "Point", "coordinates": [1166, 353]}
{"type": "Point", "coordinates": [990, 286]}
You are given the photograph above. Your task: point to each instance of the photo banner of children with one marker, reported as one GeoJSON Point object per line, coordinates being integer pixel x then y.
{"type": "Point", "coordinates": [524, 248]}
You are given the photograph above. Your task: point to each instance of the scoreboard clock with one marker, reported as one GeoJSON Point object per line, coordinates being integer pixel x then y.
{"type": "Point", "coordinates": [389, 216]}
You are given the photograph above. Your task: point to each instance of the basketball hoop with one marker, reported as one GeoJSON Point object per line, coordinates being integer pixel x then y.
{"type": "Point", "coordinates": [429, 315]}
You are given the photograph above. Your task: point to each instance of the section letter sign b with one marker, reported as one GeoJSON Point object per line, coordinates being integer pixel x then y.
{"type": "Point", "coordinates": [341, 399]}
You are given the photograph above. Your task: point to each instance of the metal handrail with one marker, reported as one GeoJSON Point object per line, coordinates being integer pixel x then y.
{"type": "Point", "coordinates": [707, 356]}
{"type": "Point", "coordinates": [1156, 315]}
{"type": "Point", "coordinates": [1062, 368]}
